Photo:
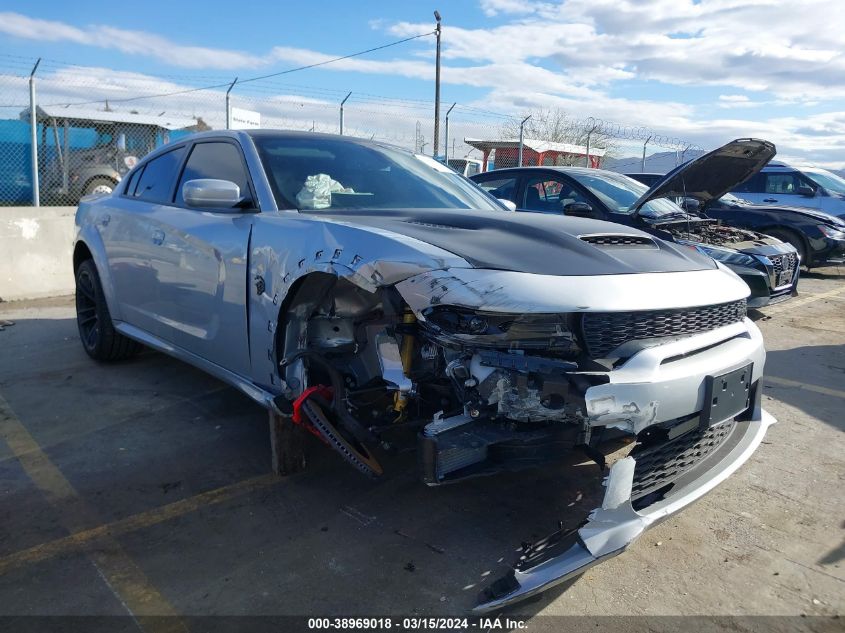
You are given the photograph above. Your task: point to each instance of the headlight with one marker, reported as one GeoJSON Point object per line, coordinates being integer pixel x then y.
{"type": "Point", "coordinates": [831, 233]}
{"type": "Point", "coordinates": [546, 332]}
{"type": "Point", "coordinates": [724, 255]}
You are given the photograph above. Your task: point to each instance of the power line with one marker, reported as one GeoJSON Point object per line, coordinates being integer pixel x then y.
{"type": "Point", "coordinates": [251, 79]}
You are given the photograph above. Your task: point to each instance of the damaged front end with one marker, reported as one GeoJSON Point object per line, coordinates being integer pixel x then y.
{"type": "Point", "coordinates": [623, 516]}
{"type": "Point", "coordinates": [484, 384]}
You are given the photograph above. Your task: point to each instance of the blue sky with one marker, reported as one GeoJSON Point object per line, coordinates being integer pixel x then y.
{"type": "Point", "coordinates": [703, 71]}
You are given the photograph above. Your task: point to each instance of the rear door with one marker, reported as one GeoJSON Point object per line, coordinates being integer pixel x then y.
{"type": "Point", "coordinates": [200, 262]}
{"type": "Point", "coordinates": [501, 186]}
{"type": "Point", "coordinates": [549, 193]}
{"type": "Point", "coordinates": [752, 189]}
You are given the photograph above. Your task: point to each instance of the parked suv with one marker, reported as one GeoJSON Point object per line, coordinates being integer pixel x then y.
{"type": "Point", "coordinates": [779, 183]}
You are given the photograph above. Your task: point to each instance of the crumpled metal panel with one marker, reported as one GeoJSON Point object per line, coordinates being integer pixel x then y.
{"type": "Point", "coordinates": [514, 292]}
{"type": "Point", "coordinates": [287, 246]}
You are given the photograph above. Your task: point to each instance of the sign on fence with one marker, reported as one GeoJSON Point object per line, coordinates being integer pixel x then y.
{"type": "Point", "coordinates": [245, 119]}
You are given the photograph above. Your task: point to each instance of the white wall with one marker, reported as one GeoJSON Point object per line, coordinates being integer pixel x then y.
{"type": "Point", "coordinates": [36, 252]}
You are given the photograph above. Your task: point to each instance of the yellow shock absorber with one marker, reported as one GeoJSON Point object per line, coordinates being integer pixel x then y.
{"type": "Point", "coordinates": [407, 354]}
{"type": "Point", "coordinates": [408, 344]}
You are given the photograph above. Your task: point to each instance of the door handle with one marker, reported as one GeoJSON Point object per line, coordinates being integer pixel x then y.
{"type": "Point", "coordinates": [770, 199]}
{"type": "Point", "coordinates": [158, 237]}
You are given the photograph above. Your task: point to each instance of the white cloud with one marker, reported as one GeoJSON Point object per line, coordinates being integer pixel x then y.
{"type": "Point", "coordinates": [750, 44]}
{"type": "Point", "coordinates": [758, 54]}
{"type": "Point", "coordinates": [130, 42]}
{"type": "Point", "coordinates": [495, 7]}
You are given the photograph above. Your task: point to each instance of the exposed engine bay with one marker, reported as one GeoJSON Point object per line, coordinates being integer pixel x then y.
{"type": "Point", "coordinates": [519, 379]}
{"type": "Point", "coordinates": [708, 231]}
{"type": "Point", "coordinates": [477, 392]}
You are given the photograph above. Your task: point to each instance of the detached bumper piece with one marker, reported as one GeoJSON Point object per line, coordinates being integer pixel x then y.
{"type": "Point", "coordinates": [657, 489]}
{"type": "Point", "coordinates": [460, 447]}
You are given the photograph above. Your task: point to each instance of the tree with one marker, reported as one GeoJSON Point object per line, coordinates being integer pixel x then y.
{"type": "Point", "coordinates": [553, 125]}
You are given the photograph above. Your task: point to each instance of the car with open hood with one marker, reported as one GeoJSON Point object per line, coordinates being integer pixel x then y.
{"type": "Point", "coordinates": [374, 297]}
{"type": "Point", "coordinates": [769, 266]}
{"type": "Point", "coordinates": [818, 237]}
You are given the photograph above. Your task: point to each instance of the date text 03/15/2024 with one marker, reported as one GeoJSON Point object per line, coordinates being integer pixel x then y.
{"type": "Point", "coordinates": [417, 624]}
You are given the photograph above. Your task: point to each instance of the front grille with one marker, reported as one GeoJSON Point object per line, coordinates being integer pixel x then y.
{"type": "Point", "coordinates": [618, 240]}
{"type": "Point", "coordinates": [661, 464]}
{"type": "Point", "coordinates": [787, 262]}
{"type": "Point", "coordinates": [603, 332]}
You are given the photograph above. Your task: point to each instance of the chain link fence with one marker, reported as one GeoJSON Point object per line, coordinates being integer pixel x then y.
{"type": "Point", "coordinates": [92, 124]}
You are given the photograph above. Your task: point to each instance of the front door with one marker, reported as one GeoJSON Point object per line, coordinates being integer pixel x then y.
{"type": "Point", "coordinates": [127, 235]}
{"type": "Point", "coordinates": [200, 263]}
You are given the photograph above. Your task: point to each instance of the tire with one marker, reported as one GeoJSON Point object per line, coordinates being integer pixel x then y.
{"type": "Point", "coordinates": [99, 185]}
{"type": "Point", "coordinates": [791, 237]}
{"type": "Point", "coordinates": [99, 338]}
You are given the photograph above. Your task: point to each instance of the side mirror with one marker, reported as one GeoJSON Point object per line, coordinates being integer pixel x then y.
{"type": "Point", "coordinates": [510, 205]}
{"type": "Point", "coordinates": [210, 193]}
{"type": "Point", "coordinates": [691, 205]}
{"type": "Point", "coordinates": [806, 190]}
{"type": "Point", "coordinates": [578, 209]}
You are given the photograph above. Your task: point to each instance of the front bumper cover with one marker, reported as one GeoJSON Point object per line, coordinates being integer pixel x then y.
{"type": "Point", "coordinates": [610, 529]}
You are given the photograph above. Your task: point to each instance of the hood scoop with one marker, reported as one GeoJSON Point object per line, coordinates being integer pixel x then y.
{"type": "Point", "coordinates": [619, 241]}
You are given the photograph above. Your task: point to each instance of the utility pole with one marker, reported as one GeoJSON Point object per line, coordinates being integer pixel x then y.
{"type": "Point", "coordinates": [229, 105]}
{"type": "Point", "coordinates": [437, 87]}
{"type": "Point", "coordinates": [33, 134]}
{"type": "Point", "coordinates": [341, 112]}
{"type": "Point", "coordinates": [521, 137]}
{"type": "Point", "coordinates": [589, 136]}
{"type": "Point", "coordinates": [446, 144]}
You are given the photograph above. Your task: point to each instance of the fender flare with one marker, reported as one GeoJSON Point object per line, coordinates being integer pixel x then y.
{"type": "Point", "coordinates": [89, 238]}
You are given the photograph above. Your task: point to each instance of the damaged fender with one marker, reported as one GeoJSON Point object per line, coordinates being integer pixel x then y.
{"type": "Point", "coordinates": [287, 246]}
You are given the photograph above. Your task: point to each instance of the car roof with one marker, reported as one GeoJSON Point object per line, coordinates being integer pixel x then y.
{"type": "Point", "coordinates": [242, 135]}
{"type": "Point", "coordinates": [558, 168]}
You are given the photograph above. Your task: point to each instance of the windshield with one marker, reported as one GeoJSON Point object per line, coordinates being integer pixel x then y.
{"type": "Point", "coordinates": [313, 174]}
{"type": "Point", "coordinates": [829, 181]}
{"type": "Point", "coordinates": [619, 193]}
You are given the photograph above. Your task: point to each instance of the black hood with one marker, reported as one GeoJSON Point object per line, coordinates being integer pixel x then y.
{"type": "Point", "coordinates": [532, 243]}
{"type": "Point", "coordinates": [714, 174]}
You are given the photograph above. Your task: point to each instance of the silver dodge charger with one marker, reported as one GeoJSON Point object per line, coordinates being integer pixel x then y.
{"type": "Point", "coordinates": [360, 292]}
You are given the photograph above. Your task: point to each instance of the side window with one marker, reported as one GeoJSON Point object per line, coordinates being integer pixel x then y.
{"type": "Point", "coordinates": [500, 187]}
{"type": "Point", "coordinates": [752, 185]}
{"type": "Point", "coordinates": [781, 183]}
{"type": "Point", "coordinates": [156, 182]}
{"type": "Point", "coordinates": [550, 195]}
{"type": "Point", "coordinates": [217, 160]}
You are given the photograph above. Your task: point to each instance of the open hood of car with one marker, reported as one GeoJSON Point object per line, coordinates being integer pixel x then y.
{"type": "Point", "coordinates": [714, 174]}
